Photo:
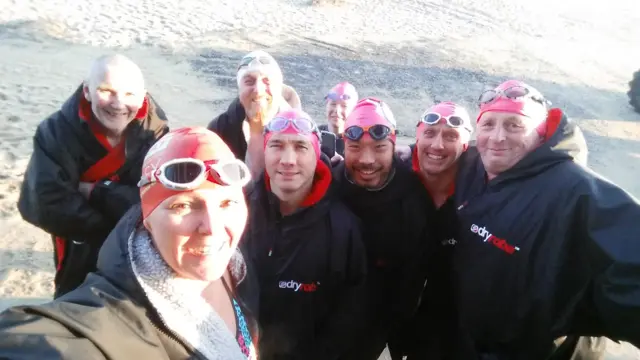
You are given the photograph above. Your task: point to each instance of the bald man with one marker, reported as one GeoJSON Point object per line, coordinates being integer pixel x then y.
{"type": "Point", "coordinates": [86, 161]}
{"type": "Point", "coordinates": [261, 94]}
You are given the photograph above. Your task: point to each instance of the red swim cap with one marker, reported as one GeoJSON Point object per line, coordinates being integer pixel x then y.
{"type": "Point", "coordinates": [525, 105]}
{"type": "Point", "coordinates": [184, 143]}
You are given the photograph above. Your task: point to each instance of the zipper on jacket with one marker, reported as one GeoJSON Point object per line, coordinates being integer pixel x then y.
{"type": "Point", "coordinates": [172, 335]}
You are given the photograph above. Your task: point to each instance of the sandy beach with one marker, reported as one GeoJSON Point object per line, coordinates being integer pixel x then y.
{"type": "Point", "coordinates": [409, 53]}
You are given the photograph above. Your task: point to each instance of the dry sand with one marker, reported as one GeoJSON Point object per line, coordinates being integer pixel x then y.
{"type": "Point", "coordinates": [409, 53]}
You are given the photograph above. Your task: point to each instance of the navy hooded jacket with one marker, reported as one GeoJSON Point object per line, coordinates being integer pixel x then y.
{"type": "Point", "coordinates": [546, 249]}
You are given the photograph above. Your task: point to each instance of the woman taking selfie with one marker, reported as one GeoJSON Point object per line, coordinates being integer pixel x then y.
{"type": "Point", "coordinates": [170, 283]}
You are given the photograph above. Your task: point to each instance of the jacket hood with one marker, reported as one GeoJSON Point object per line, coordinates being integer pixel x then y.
{"type": "Point", "coordinates": [564, 142]}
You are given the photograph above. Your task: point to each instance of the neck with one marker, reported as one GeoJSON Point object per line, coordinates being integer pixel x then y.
{"type": "Point", "coordinates": [114, 139]}
{"type": "Point", "coordinates": [439, 184]}
{"type": "Point", "coordinates": [291, 201]}
{"type": "Point", "coordinates": [336, 130]}
{"type": "Point", "coordinates": [211, 288]}
{"type": "Point", "coordinates": [113, 136]}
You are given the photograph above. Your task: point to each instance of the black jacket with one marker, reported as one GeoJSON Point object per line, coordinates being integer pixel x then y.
{"type": "Point", "coordinates": [546, 249]}
{"type": "Point", "coordinates": [228, 126]}
{"type": "Point", "coordinates": [311, 269]}
{"type": "Point", "coordinates": [64, 147]}
{"type": "Point", "coordinates": [397, 236]}
{"type": "Point", "coordinates": [431, 333]}
{"type": "Point", "coordinates": [108, 316]}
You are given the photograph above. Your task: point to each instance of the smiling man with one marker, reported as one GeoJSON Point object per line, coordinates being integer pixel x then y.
{"type": "Point", "coordinates": [393, 207]}
{"type": "Point", "coordinates": [549, 251]}
{"type": "Point", "coordinates": [306, 246]}
{"type": "Point", "coordinates": [261, 94]}
{"type": "Point", "coordinates": [86, 162]}
{"type": "Point", "coordinates": [340, 101]}
{"type": "Point", "coordinates": [442, 137]}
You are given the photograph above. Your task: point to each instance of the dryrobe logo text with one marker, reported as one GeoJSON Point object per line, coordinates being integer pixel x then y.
{"type": "Point", "coordinates": [297, 286]}
{"type": "Point", "coordinates": [487, 236]}
{"type": "Point", "coordinates": [449, 242]}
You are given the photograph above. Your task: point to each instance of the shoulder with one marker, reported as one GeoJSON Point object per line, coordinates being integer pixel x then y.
{"type": "Point", "coordinates": [230, 119]}
{"type": "Point", "coordinates": [343, 220]}
{"type": "Point", "coordinates": [81, 314]}
{"type": "Point", "coordinates": [337, 174]}
{"type": "Point", "coordinates": [54, 131]}
{"type": "Point", "coordinates": [157, 119]}
{"type": "Point", "coordinates": [582, 182]}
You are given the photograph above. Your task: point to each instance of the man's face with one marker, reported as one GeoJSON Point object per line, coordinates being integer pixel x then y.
{"type": "Point", "coordinates": [115, 96]}
{"type": "Point", "coordinates": [368, 162]}
{"type": "Point", "coordinates": [337, 112]}
{"type": "Point", "coordinates": [439, 146]}
{"type": "Point", "coordinates": [256, 92]}
{"type": "Point", "coordinates": [503, 139]}
{"type": "Point", "coordinates": [290, 162]}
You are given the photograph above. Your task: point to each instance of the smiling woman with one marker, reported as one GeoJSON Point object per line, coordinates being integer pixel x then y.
{"type": "Point", "coordinates": [171, 269]}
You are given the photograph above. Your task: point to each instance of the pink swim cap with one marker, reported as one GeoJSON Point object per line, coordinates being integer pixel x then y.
{"type": "Point", "coordinates": [342, 91]}
{"type": "Point", "coordinates": [297, 122]}
{"type": "Point", "coordinates": [371, 111]}
{"type": "Point", "coordinates": [447, 109]}
{"type": "Point", "coordinates": [522, 105]}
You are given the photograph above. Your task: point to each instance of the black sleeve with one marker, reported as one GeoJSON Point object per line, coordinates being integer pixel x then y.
{"type": "Point", "coordinates": [32, 336]}
{"type": "Point", "coordinates": [216, 125]}
{"type": "Point", "coordinates": [347, 318]}
{"type": "Point", "coordinates": [228, 126]}
{"type": "Point", "coordinates": [612, 229]}
{"type": "Point", "coordinates": [411, 282]}
{"type": "Point", "coordinates": [50, 199]}
{"type": "Point", "coordinates": [113, 198]}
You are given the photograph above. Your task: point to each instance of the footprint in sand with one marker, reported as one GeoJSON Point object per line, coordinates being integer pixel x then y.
{"type": "Point", "coordinates": [12, 118]}
{"type": "Point", "coordinates": [3, 97]}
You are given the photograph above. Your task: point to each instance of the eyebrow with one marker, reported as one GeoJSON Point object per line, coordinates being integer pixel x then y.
{"type": "Point", "coordinates": [294, 142]}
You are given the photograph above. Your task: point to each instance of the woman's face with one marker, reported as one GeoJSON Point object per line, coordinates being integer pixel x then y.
{"type": "Point", "coordinates": [197, 232]}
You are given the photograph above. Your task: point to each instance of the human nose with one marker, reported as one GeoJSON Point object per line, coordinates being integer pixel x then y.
{"type": "Point", "coordinates": [211, 222]}
{"type": "Point", "coordinates": [288, 156]}
{"type": "Point", "coordinates": [117, 100]}
{"type": "Point", "coordinates": [366, 157]}
{"type": "Point", "coordinates": [437, 142]}
{"type": "Point", "coordinates": [498, 134]}
{"type": "Point", "coordinates": [260, 87]}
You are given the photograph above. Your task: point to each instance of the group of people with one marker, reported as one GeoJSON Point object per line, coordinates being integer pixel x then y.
{"type": "Point", "coordinates": [268, 236]}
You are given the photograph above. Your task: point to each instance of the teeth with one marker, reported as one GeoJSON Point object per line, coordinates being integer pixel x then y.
{"type": "Point", "coordinates": [115, 113]}
{"type": "Point", "coordinates": [367, 172]}
{"type": "Point", "coordinates": [206, 250]}
{"type": "Point", "coordinates": [435, 157]}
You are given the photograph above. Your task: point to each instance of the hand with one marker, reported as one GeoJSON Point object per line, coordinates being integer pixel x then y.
{"type": "Point", "coordinates": [403, 152]}
{"type": "Point", "coordinates": [257, 112]}
{"type": "Point", "coordinates": [85, 188]}
{"type": "Point", "coordinates": [336, 159]}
